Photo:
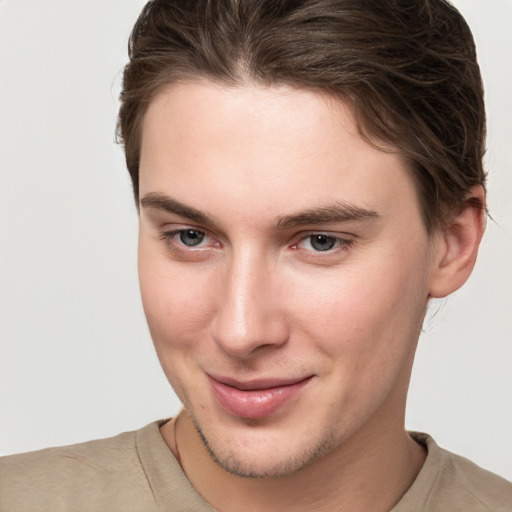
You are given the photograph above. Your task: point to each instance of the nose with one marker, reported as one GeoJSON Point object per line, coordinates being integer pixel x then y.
{"type": "Point", "coordinates": [250, 313]}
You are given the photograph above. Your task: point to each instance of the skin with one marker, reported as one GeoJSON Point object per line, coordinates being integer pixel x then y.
{"type": "Point", "coordinates": [257, 173]}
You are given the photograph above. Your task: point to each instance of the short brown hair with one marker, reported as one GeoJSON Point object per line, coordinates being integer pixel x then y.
{"type": "Point", "coordinates": [407, 67]}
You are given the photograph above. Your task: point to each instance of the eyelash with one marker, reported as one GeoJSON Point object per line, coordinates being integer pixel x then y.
{"type": "Point", "coordinates": [341, 244]}
{"type": "Point", "coordinates": [170, 238]}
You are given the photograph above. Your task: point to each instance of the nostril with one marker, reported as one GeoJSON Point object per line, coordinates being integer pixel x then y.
{"type": "Point", "coordinates": [247, 339]}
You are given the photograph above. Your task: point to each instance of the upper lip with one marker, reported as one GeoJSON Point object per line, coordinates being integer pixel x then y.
{"type": "Point", "coordinates": [259, 383]}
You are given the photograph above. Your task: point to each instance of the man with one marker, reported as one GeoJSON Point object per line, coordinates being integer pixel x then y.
{"type": "Point", "coordinates": [309, 175]}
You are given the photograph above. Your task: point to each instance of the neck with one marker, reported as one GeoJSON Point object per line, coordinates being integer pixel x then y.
{"type": "Point", "coordinates": [370, 471]}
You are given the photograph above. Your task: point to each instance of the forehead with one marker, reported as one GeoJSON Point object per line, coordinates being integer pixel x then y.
{"type": "Point", "coordinates": [264, 148]}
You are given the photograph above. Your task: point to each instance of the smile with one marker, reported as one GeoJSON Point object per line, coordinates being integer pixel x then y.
{"type": "Point", "coordinates": [255, 399]}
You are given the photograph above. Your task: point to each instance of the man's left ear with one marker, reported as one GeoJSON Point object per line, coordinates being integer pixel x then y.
{"type": "Point", "coordinates": [457, 245]}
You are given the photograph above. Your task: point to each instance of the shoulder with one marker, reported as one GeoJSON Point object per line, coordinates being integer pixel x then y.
{"type": "Point", "coordinates": [98, 453]}
{"type": "Point", "coordinates": [85, 476]}
{"type": "Point", "coordinates": [481, 487]}
{"type": "Point", "coordinates": [450, 482]}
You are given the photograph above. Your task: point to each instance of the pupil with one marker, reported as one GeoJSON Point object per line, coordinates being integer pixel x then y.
{"type": "Point", "coordinates": [191, 237]}
{"type": "Point", "coordinates": [322, 242]}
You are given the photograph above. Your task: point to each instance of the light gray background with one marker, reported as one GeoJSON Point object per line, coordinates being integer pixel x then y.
{"type": "Point", "coordinates": [76, 358]}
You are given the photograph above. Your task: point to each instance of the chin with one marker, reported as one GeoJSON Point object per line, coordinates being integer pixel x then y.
{"type": "Point", "coordinates": [260, 456]}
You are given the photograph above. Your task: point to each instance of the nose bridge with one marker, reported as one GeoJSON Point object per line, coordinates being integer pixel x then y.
{"type": "Point", "coordinates": [247, 316]}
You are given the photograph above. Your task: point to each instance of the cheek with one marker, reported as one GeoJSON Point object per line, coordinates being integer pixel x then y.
{"type": "Point", "coordinates": [370, 317]}
{"type": "Point", "coordinates": [366, 330]}
{"type": "Point", "coordinates": [177, 316]}
{"type": "Point", "coordinates": [174, 299]}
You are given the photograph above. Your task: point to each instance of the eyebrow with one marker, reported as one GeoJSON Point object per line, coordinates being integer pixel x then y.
{"type": "Point", "coordinates": [157, 201]}
{"type": "Point", "coordinates": [339, 212]}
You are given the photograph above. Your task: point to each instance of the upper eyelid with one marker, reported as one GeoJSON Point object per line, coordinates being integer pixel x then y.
{"type": "Point", "coordinates": [181, 226]}
{"type": "Point", "coordinates": [314, 230]}
{"type": "Point", "coordinates": [337, 235]}
{"type": "Point", "coordinates": [174, 232]}
{"type": "Point", "coordinates": [346, 239]}
{"type": "Point", "coordinates": [185, 227]}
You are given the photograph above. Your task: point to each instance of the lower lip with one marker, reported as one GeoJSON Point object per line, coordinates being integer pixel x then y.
{"type": "Point", "coordinates": [255, 404]}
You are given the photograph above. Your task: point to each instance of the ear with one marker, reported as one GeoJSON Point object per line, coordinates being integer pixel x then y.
{"type": "Point", "coordinates": [457, 245]}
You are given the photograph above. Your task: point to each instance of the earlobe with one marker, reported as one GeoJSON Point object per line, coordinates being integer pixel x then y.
{"type": "Point", "coordinates": [457, 246]}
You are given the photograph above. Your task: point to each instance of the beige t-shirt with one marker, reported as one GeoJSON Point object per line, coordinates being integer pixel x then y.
{"type": "Point", "coordinates": [136, 471]}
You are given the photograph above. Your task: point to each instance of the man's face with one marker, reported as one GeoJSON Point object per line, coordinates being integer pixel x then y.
{"type": "Point", "coordinates": [284, 269]}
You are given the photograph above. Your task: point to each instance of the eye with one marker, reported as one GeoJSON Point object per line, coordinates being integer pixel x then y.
{"type": "Point", "coordinates": [191, 237]}
{"type": "Point", "coordinates": [322, 242]}
{"type": "Point", "coordinates": [186, 238]}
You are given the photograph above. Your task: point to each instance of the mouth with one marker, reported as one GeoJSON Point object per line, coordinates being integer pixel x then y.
{"type": "Point", "coordinates": [255, 399]}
